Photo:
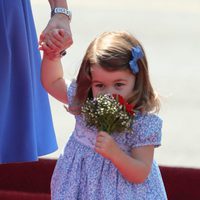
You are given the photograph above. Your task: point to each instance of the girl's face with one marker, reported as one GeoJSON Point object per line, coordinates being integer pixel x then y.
{"type": "Point", "coordinates": [112, 82]}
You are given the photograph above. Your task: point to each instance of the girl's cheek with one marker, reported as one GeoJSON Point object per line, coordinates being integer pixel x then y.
{"type": "Point", "coordinates": [94, 92]}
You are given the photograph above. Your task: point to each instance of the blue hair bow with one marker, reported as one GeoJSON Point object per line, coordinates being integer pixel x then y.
{"type": "Point", "coordinates": [137, 53]}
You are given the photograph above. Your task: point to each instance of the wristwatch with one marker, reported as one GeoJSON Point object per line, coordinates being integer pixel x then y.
{"type": "Point", "coordinates": [60, 10]}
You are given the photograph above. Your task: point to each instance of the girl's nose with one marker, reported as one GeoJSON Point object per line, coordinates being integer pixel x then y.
{"type": "Point", "coordinates": [109, 91]}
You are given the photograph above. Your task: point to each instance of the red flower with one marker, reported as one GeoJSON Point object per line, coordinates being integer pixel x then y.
{"type": "Point", "coordinates": [121, 100]}
{"type": "Point", "coordinates": [129, 109]}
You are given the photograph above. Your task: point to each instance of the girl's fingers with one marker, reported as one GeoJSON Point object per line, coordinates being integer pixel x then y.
{"type": "Point", "coordinates": [48, 51]}
{"type": "Point", "coordinates": [100, 140]}
{"type": "Point", "coordinates": [54, 40]}
{"type": "Point", "coordinates": [57, 40]}
{"type": "Point", "coordinates": [45, 47]}
{"type": "Point", "coordinates": [41, 39]}
{"type": "Point", "coordinates": [52, 53]}
{"type": "Point", "coordinates": [99, 147]}
{"type": "Point", "coordinates": [102, 133]}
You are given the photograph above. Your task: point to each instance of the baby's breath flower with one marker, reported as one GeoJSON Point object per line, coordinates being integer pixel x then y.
{"type": "Point", "coordinates": [110, 113]}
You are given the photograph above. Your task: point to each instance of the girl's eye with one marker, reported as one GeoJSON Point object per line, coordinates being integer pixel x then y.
{"type": "Point", "coordinates": [119, 84]}
{"type": "Point", "coordinates": [99, 85]}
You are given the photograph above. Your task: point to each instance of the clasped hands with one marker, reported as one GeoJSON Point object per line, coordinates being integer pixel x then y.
{"type": "Point", "coordinates": [56, 37]}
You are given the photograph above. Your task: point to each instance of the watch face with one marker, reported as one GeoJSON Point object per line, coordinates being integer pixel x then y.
{"type": "Point", "coordinates": [62, 11]}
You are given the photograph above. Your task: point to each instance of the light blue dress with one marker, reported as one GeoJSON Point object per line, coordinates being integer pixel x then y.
{"type": "Point", "coordinates": [83, 174]}
{"type": "Point", "coordinates": [26, 128]}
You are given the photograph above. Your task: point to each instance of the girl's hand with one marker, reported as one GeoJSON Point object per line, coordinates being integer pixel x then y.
{"type": "Point", "coordinates": [52, 55]}
{"type": "Point", "coordinates": [106, 146]}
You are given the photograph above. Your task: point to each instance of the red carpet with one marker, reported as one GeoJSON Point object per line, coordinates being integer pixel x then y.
{"type": "Point", "coordinates": [31, 181]}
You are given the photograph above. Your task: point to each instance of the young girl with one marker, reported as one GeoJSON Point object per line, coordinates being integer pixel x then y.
{"type": "Point", "coordinates": [96, 165]}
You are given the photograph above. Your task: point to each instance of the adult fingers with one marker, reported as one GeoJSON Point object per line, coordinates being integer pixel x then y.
{"type": "Point", "coordinates": [66, 38]}
{"type": "Point", "coordinates": [54, 40]}
{"type": "Point", "coordinates": [52, 45]}
{"type": "Point", "coordinates": [57, 43]}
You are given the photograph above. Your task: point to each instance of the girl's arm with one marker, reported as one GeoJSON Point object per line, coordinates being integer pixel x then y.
{"type": "Point", "coordinates": [134, 168]}
{"type": "Point", "coordinates": [52, 78]}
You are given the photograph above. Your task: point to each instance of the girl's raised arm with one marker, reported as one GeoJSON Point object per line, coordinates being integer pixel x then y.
{"type": "Point", "coordinates": [52, 78]}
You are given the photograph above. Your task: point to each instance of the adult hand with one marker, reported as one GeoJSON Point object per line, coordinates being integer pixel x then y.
{"type": "Point", "coordinates": [56, 36]}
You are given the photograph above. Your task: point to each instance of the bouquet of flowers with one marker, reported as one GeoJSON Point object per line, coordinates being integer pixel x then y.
{"type": "Point", "coordinates": [110, 113]}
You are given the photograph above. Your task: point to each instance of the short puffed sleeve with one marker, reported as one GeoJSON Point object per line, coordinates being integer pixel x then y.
{"type": "Point", "coordinates": [71, 90]}
{"type": "Point", "coordinates": [146, 131]}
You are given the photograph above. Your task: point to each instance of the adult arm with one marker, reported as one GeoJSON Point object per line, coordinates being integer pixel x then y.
{"type": "Point", "coordinates": [57, 35]}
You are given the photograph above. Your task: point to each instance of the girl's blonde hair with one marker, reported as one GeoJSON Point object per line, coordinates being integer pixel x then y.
{"type": "Point", "coordinates": [112, 51]}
